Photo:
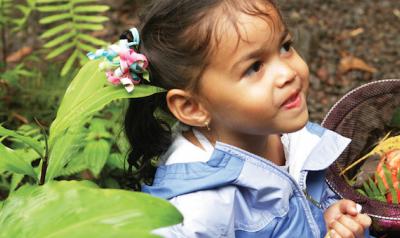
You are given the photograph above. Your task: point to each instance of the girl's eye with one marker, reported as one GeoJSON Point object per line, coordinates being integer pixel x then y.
{"type": "Point", "coordinates": [254, 68]}
{"type": "Point", "coordinates": [285, 48]}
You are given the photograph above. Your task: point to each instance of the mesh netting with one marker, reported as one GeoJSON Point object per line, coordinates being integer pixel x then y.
{"type": "Point", "coordinates": [364, 110]}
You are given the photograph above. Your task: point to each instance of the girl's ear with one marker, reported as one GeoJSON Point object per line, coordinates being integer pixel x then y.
{"type": "Point", "coordinates": [187, 108]}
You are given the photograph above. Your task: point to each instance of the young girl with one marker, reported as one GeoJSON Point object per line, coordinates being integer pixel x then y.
{"type": "Point", "coordinates": [244, 161]}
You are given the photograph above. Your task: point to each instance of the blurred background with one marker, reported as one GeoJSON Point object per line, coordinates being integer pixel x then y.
{"type": "Point", "coordinates": [345, 42]}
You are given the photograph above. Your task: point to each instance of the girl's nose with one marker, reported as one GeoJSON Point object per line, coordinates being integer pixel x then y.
{"type": "Point", "coordinates": [283, 73]}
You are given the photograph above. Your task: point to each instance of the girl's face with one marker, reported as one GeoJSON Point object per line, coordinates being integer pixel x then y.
{"type": "Point", "coordinates": [255, 85]}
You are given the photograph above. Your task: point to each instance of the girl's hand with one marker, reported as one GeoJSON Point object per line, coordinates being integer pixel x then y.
{"type": "Point", "coordinates": [344, 220]}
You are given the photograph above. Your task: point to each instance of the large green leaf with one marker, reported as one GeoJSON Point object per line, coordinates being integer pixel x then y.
{"type": "Point", "coordinates": [96, 154]}
{"type": "Point", "coordinates": [64, 150]}
{"type": "Point", "coordinates": [34, 144]}
{"type": "Point", "coordinates": [10, 161]}
{"type": "Point", "coordinates": [71, 209]}
{"type": "Point", "coordinates": [88, 93]}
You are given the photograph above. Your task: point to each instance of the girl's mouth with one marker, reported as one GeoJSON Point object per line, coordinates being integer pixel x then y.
{"type": "Point", "coordinates": [293, 102]}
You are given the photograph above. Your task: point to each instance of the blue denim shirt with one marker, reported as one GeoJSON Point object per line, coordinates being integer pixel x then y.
{"type": "Point", "coordinates": [238, 194]}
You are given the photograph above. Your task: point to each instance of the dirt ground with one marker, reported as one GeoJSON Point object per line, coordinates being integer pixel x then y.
{"type": "Point", "coordinates": [346, 43]}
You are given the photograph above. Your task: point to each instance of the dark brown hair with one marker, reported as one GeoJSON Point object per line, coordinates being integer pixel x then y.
{"type": "Point", "coordinates": [177, 37]}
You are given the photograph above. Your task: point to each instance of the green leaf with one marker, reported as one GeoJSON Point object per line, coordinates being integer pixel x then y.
{"type": "Point", "coordinates": [86, 47]}
{"type": "Point", "coordinates": [24, 9]}
{"type": "Point", "coordinates": [79, 209]}
{"type": "Point", "coordinates": [92, 39]}
{"type": "Point", "coordinates": [361, 192]}
{"type": "Point", "coordinates": [63, 151]}
{"type": "Point", "coordinates": [96, 102]}
{"type": "Point", "coordinates": [60, 50]}
{"type": "Point", "coordinates": [69, 63]}
{"type": "Point", "coordinates": [55, 30]}
{"type": "Point", "coordinates": [87, 95]}
{"type": "Point", "coordinates": [54, 18]}
{"type": "Point", "coordinates": [376, 192]}
{"type": "Point", "coordinates": [368, 189]}
{"type": "Point", "coordinates": [15, 181]}
{"type": "Point", "coordinates": [118, 161]}
{"type": "Point", "coordinates": [25, 139]}
{"type": "Point", "coordinates": [388, 178]}
{"type": "Point", "coordinates": [88, 26]}
{"type": "Point", "coordinates": [60, 39]}
{"type": "Point", "coordinates": [82, 1]}
{"type": "Point", "coordinates": [55, 8]}
{"type": "Point", "coordinates": [92, 19]}
{"type": "Point", "coordinates": [50, 1]}
{"type": "Point", "coordinates": [10, 161]}
{"type": "Point", "coordinates": [381, 185]}
{"type": "Point", "coordinates": [91, 8]}
{"type": "Point", "coordinates": [96, 154]}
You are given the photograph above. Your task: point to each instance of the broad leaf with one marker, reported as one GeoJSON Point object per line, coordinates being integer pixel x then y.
{"type": "Point", "coordinates": [96, 154]}
{"type": "Point", "coordinates": [87, 94]}
{"type": "Point", "coordinates": [69, 209]}
{"type": "Point", "coordinates": [34, 144]}
{"type": "Point", "coordinates": [10, 161]}
{"type": "Point", "coordinates": [63, 150]}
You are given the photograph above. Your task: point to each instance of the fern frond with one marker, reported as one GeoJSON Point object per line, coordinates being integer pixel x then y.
{"type": "Point", "coordinates": [91, 19]}
{"type": "Point", "coordinates": [91, 39]}
{"type": "Point", "coordinates": [71, 23]}
{"type": "Point", "coordinates": [5, 11]}
{"type": "Point", "coordinates": [68, 65]}
{"type": "Point", "coordinates": [60, 50]}
{"type": "Point", "coordinates": [59, 40]}
{"type": "Point", "coordinates": [57, 29]}
{"type": "Point", "coordinates": [54, 18]}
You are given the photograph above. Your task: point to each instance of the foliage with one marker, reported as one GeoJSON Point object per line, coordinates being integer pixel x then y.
{"type": "Point", "coordinates": [81, 209]}
{"type": "Point", "coordinates": [78, 141]}
{"type": "Point", "coordinates": [71, 19]}
{"type": "Point", "coordinates": [377, 189]}
{"type": "Point", "coordinates": [5, 9]}
{"type": "Point", "coordinates": [380, 174]}
{"type": "Point", "coordinates": [67, 24]}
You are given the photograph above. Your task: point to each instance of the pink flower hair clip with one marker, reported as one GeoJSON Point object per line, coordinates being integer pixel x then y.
{"type": "Point", "coordinates": [122, 64]}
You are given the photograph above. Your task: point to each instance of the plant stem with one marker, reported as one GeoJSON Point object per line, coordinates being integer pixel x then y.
{"type": "Point", "coordinates": [43, 170]}
{"type": "Point", "coordinates": [45, 159]}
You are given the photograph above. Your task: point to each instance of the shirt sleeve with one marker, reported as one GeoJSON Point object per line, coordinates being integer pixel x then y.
{"type": "Point", "coordinates": [206, 214]}
{"type": "Point", "coordinates": [329, 197]}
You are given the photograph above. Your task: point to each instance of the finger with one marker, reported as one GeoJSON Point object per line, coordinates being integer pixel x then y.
{"type": "Point", "coordinates": [348, 207]}
{"type": "Point", "coordinates": [353, 225]}
{"type": "Point", "coordinates": [340, 230]}
{"type": "Point", "coordinates": [364, 220]}
{"type": "Point", "coordinates": [333, 234]}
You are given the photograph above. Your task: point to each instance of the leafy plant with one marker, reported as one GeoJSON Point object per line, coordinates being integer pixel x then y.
{"type": "Point", "coordinates": [70, 21]}
{"type": "Point", "coordinates": [5, 19]}
{"type": "Point", "coordinates": [27, 210]}
{"type": "Point", "coordinates": [81, 209]}
{"type": "Point", "coordinates": [26, 10]}
{"type": "Point", "coordinates": [376, 189]}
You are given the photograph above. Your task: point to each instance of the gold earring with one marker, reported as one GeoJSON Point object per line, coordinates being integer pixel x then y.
{"type": "Point", "coordinates": [207, 123]}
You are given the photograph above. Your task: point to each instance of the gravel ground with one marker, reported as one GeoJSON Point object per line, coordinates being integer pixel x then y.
{"type": "Point", "coordinates": [329, 32]}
